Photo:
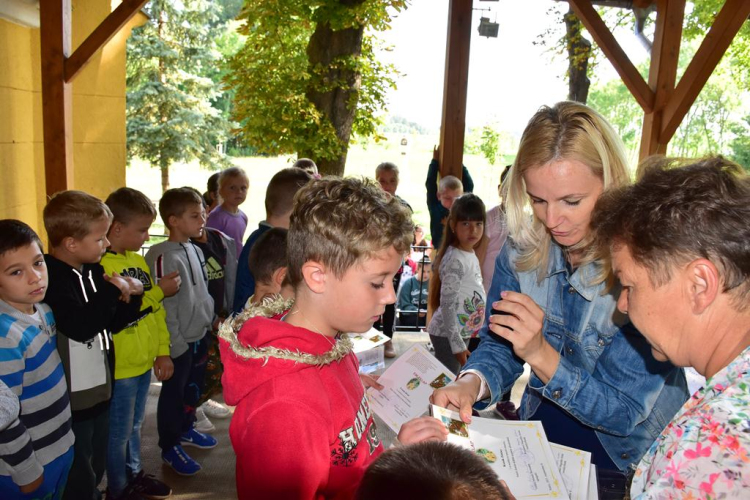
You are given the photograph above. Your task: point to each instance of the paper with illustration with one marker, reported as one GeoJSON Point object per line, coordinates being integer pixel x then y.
{"type": "Point", "coordinates": [408, 384]}
{"type": "Point", "coordinates": [574, 467]}
{"type": "Point", "coordinates": [518, 451]}
{"type": "Point", "coordinates": [366, 341]}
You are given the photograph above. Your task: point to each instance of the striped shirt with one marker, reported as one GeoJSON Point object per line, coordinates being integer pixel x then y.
{"type": "Point", "coordinates": [30, 366]}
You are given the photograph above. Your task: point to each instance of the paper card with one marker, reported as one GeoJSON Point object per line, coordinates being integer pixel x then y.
{"type": "Point", "coordinates": [408, 384]}
{"type": "Point", "coordinates": [518, 451]}
{"type": "Point", "coordinates": [574, 467]}
{"type": "Point", "coordinates": [368, 340]}
{"type": "Point", "coordinates": [593, 484]}
{"type": "Point", "coordinates": [371, 360]}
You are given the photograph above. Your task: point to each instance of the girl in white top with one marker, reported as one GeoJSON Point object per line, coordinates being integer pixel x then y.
{"type": "Point", "coordinates": [456, 292]}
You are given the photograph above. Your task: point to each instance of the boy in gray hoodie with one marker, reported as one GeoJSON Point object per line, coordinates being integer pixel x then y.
{"type": "Point", "coordinates": [190, 315]}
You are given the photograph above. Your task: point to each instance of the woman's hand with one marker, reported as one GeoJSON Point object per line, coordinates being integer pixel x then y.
{"type": "Point", "coordinates": [459, 396]}
{"type": "Point", "coordinates": [522, 327]}
{"type": "Point", "coordinates": [422, 429]}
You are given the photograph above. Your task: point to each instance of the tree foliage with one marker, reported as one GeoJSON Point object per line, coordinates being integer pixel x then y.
{"type": "Point", "coordinates": [275, 82]}
{"type": "Point", "coordinates": [170, 116]}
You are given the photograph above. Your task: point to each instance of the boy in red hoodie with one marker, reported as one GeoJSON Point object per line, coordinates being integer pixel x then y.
{"type": "Point", "coordinates": [302, 428]}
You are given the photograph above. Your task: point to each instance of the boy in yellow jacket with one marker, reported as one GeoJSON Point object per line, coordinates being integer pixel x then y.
{"type": "Point", "coordinates": [142, 345]}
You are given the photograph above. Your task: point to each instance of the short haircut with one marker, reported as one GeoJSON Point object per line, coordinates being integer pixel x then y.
{"type": "Point", "coordinates": [128, 203]}
{"type": "Point", "coordinates": [430, 470]}
{"type": "Point", "coordinates": [15, 235]}
{"type": "Point", "coordinates": [282, 188]}
{"type": "Point", "coordinates": [176, 201]}
{"type": "Point", "coordinates": [306, 164]}
{"type": "Point", "coordinates": [71, 213]}
{"type": "Point", "coordinates": [678, 212]}
{"type": "Point", "coordinates": [340, 222]}
{"type": "Point", "coordinates": [450, 182]}
{"type": "Point", "coordinates": [268, 254]}
{"type": "Point", "coordinates": [386, 166]}
{"type": "Point", "coordinates": [212, 185]}
{"type": "Point", "coordinates": [231, 173]}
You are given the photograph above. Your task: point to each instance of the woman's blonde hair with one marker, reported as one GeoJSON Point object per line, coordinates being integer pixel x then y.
{"type": "Point", "coordinates": [566, 131]}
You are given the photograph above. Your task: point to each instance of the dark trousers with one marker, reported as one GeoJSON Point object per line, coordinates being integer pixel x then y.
{"type": "Point", "coordinates": [89, 454]}
{"type": "Point", "coordinates": [175, 412]}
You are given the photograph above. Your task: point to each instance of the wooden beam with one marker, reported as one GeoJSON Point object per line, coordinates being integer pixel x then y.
{"type": "Point", "coordinates": [662, 74]}
{"type": "Point", "coordinates": [55, 41]}
{"type": "Point", "coordinates": [453, 125]}
{"type": "Point", "coordinates": [100, 36]}
{"type": "Point", "coordinates": [619, 59]}
{"type": "Point", "coordinates": [726, 25]}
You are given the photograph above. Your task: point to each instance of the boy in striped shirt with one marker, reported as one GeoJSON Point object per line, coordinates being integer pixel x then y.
{"type": "Point", "coordinates": [36, 448]}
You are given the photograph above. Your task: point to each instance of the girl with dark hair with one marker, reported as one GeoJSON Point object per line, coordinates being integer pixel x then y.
{"type": "Point", "coordinates": [457, 295]}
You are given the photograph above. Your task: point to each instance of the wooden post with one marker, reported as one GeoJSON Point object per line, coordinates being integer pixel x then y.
{"type": "Point", "coordinates": [55, 30]}
{"type": "Point", "coordinates": [453, 125]}
{"type": "Point", "coordinates": [662, 74]}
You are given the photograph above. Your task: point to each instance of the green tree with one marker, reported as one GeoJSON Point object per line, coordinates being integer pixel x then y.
{"type": "Point", "coordinates": [307, 76]}
{"type": "Point", "coordinates": [740, 145]}
{"type": "Point", "coordinates": [170, 117]}
{"type": "Point", "coordinates": [490, 144]}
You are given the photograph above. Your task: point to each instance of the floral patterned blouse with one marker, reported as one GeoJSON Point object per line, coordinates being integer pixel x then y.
{"type": "Point", "coordinates": [703, 452]}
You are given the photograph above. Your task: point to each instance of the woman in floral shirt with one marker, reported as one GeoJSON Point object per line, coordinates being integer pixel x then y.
{"type": "Point", "coordinates": [680, 243]}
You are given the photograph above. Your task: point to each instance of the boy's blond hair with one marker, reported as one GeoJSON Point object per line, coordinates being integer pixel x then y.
{"type": "Point", "coordinates": [231, 173]}
{"type": "Point", "coordinates": [450, 182]}
{"type": "Point", "coordinates": [71, 213]}
{"type": "Point", "coordinates": [127, 203]}
{"type": "Point", "coordinates": [338, 222]}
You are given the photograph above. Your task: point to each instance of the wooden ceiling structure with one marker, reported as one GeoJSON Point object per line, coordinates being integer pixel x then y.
{"type": "Point", "coordinates": [664, 101]}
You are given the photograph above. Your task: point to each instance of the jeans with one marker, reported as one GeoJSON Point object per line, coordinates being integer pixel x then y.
{"type": "Point", "coordinates": [175, 412]}
{"type": "Point", "coordinates": [90, 454]}
{"type": "Point", "coordinates": [127, 410]}
{"type": "Point", "coordinates": [52, 487]}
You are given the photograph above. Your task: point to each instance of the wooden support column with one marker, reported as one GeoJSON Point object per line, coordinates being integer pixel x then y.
{"type": "Point", "coordinates": [55, 31]}
{"type": "Point", "coordinates": [59, 68]}
{"type": "Point", "coordinates": [662, 74]}
{"type": "Point", "coordinates": [453, 125]}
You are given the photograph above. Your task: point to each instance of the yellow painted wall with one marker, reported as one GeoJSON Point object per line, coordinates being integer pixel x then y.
{"type": "Point", "coordinates": [98, 115]}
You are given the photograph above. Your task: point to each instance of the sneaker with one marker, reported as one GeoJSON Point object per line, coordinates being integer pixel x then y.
{"type": "Point", "coordinates": [127, 494]}
{"type": "Point", "coordinates": [214, 409]}
{"type": "Point", "coordinates": [507, 410]}
{"type": "Point", "coordinates": [147, 486]}
{"type": "Point", "coordinates": [180, 461]}
{"type": "Point", "coordinates": [197, 440]}
{"type": "Point", "coordinates": [390, 352]}
{"type": "Point", "coordinates": [202, 423]}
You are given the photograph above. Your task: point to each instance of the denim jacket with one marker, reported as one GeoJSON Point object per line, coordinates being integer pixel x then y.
{"type": "Point", "coordinates": [607, 377]}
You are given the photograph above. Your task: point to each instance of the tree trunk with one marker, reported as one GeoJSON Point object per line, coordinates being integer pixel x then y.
{"type": "Point", "coordinates": [164, 167]}
{"type": "Point", "coordinates": [338, 105]}
{"type": "Point", "coordinates": [579, 52]}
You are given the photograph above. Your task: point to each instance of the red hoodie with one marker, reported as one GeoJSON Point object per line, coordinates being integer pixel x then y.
{"type": "Point", "coordinates": [302, 428]}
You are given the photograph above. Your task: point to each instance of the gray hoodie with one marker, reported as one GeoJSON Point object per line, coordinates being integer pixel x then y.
{"type": "Point", "coordinates": [190, 312]}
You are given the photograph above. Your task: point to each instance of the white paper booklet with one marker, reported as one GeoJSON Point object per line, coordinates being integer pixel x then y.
{"type": "Point", "coordinates": [593, 484]}
{"type": "Point", "coordinates": [368, 340]}
{"type": "Point", "coordinates": [518, 451]}
{"type": "Point", "coordinates": [574, 467]}
{"type": "Point", "coordinates": [408, 384]}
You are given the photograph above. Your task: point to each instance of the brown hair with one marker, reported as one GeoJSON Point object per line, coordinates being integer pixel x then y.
{"type": "Point", "coordinates": [339, 222]}
{"type": "Point", "coordinates": [282, 188]}
{"type": "Point", "coordinates": [16, 234]}
{"type": "Point", "coordinates": [127, 203]}
{"type": "Point", "coordinates": [175, 201]}
{"type": "Point", "coordinates": [438, 471]}
{"type": "Point", "coordinates": [71, 213]}
{"type": "Point", "coordinates": [268, 254]}
{"type": "Point", "coordinates": [679, 211]}
{"type": "Point", "coordinates": [386, 166]}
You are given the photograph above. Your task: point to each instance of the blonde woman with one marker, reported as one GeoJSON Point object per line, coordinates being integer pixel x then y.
{"type": "Point", "coordinates": [594, 382]}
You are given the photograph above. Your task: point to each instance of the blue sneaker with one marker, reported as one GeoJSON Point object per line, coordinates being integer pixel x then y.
{"type": "Point", "coordinates": [198, 440]}
{"type": "Point", "coordinates": [180, 461]}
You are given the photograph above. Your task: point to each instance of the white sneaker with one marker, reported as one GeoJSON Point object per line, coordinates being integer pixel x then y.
{"type": "Point", "coordinates": [202, 423]}
{"type": "Point", "coordinates": [214, 409]}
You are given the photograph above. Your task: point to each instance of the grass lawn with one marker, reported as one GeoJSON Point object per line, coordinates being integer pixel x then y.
{"type": "Point", "coordinates": [412, 159]}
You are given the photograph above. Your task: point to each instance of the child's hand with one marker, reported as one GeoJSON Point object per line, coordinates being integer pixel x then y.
{"type": "Point", "coordinates": [217, 323]}
{"type": "Point", "coordinates": [163, 368]}
{"type": "Point", "coordinates": [370, 381]}
{"type": "Point", "coordinates": [436, 152]}
{"type": "Point", "coordinates": [462, 357]}
{"type": "Point", "coordinates": [136, 286]}
{"type": "Point", "coordinates": [120, 283]}
{"type": "Point", "coordinates": [170, 284]}
{"type": "Point", "coordinates": [422, 429]}
{"type": "Point", "coordinates": [32, 486]}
